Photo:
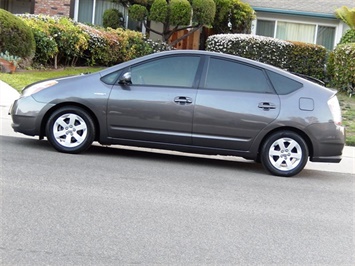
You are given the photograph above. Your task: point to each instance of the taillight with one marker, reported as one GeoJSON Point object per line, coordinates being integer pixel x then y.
{"type": "Point", "coordinates": [335, 109]}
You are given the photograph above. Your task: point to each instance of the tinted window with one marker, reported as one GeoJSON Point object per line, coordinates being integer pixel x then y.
{"type": "Point", "coordinates": [229, 75]}
{"type": "Point", "coordinates": [282, 84]}
{"type": "Point", "coordinates": [177, 71]}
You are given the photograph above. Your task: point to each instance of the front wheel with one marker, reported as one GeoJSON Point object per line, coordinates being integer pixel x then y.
{"type": "Point", "coordinates": [284, 153]}
{"type": "Point", "coordinates": [70, 129]}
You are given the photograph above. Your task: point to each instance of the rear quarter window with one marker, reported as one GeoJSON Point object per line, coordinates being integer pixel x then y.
{"type": "Point", "coordinates": [283, 85]}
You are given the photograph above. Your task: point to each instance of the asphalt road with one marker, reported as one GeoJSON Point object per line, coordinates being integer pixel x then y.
{"type": "Point", "coordinates": [111, 206]}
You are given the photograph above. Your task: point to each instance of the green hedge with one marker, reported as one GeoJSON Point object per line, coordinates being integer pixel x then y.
{"type": "Point", "coordinates": [348, 37]}
{"type": "Point", "coordinates": [297, 57]}
{"type": "Point", "coordinates": [308, 59]}
{"type": "Point", "coordinates": [73, 43]}
{"type": "Point", "coordinates": [342, 65]}
{"type": "Point", "coordinates": [15, 36]}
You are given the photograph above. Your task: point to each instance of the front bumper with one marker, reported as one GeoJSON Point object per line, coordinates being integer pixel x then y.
{"type": "Point", "coordinates": [27, 114]}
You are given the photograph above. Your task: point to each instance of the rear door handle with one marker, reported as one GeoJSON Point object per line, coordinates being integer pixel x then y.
{"type": "Point", "coordinates": [267, 106]}
{"type": "Point", "coordinates": [183, 100]}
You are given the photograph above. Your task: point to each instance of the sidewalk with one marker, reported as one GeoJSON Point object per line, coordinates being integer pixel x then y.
{"type": "Point", "coordinates": [7, 94]}
{"type": "Point", "coordinates": [347, 164]}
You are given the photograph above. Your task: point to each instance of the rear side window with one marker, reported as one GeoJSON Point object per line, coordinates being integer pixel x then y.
{"type": "Point", "coordinates": [283, 85]}
{"type": "Point", "coordinates": [235, 76]}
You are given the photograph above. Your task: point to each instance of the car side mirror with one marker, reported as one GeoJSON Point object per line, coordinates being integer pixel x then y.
{"type": "Point", "coordinates": [126, 79]}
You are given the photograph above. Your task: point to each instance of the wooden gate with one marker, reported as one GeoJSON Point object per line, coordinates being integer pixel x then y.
{"type": "Point", "coordinates": [192, 42]}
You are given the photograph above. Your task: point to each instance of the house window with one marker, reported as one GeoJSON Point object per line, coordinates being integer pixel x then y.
{"type": "Point", "coordinates": [85, 11]}
{"type": "Point", "coordinates": [91, 11]}
{"type": "Point", "coordinates": [17, 7]}
{"type": "Point", "coordinates": [295, 32]}
{"type": "Point", "coordinates": [309, 33]}
{"type": "Point", "coordinates": [265, 28]}
{"type": "Point", "coordinates": [325, 36]}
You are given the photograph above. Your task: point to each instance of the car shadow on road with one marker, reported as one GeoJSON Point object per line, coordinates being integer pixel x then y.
{"type": "Point", "coordinates": [139, 154]}
{"type": "Point", "coordinates": [161, 156]}
{"type": "Point", "coordinates": [167, 156]}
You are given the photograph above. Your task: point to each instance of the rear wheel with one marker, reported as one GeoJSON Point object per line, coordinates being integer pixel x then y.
{"type": "Point", "coordinates": [70, 129]}
{"type": "Point", "coordinates": [284, 153]}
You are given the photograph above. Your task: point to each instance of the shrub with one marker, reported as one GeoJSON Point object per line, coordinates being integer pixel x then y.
{"type": "Point", "coordinates": [104, 47]}
{"type": "Point", "coordinates": [75, 43]}
{"type": "Point", "coordinates": [344, 67]}
{"type": "Point", "coordinates": [264, 49]}
{"type": "Point", "coordinates": [111, 46]}
{"type": "Point", "coordinates": [308, 59]}
{"type": "Point", "coordinates": [70, 40]}
{"type": "Point", "coordinates": [46, 46]}
{"type": "Point", "coordinates": [349, 37]}
{"type": "Point", "coordinates": [297, 57]}
{"type": "Point", "coordinates": [112, 18]}
{"type": "Point", "coordinates": [15, 36]}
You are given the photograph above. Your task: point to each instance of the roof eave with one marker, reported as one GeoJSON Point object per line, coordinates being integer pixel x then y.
{"type": "Point", "coordinates": [294, 12]}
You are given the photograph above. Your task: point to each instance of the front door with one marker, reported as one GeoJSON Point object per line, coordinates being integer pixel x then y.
{"type": "Point", "coordinates": [158, 106]}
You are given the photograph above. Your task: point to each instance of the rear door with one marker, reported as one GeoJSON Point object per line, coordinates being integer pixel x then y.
{"type": "Point", "coordinates": [158, 106]}
{"type": "Point", "coordinates": [234, 103]}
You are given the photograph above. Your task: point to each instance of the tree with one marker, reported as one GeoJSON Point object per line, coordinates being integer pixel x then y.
{"type": "Point", "coordinates": [113, 18]}
{"type": "Point", "coordinates": [233, 16]}
{"type": "Point", "coordinates": [175, 15]}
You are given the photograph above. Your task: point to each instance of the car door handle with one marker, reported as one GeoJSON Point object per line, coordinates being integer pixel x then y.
{"type": "Point", "coordinates": [183, 100]}
{"type": "Point", "coordinates": [267, 106]}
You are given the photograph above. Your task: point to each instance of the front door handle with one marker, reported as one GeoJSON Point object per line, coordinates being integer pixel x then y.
{"type": "Point", "coordinates": [267, 106]}
{"type": "Point", "coordinates": [183, 100]}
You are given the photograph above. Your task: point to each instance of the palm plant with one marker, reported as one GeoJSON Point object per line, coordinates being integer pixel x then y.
{"type": "Point", "coordinates": [347, 15]}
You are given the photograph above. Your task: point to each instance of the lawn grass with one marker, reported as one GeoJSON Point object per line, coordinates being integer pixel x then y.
{"type": "Point", "coordinates": [347, 105]}
{"type": "Point", "coordinates": [20, 79]}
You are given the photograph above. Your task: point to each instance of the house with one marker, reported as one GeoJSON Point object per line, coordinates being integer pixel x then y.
{"type": "Point", "coordinates": [302, 20]}
{"type": "Point", "coordinates": [86, 11]}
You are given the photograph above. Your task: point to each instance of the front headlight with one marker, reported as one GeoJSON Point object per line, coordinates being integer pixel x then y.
{"type": "Point", "coordinates": [38, 87]}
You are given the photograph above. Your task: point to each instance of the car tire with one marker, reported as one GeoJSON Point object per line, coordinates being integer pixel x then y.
{"type": "Point", "coordinates": [284, 153]}
{"type": "Point", "coordinates": [70, 129]}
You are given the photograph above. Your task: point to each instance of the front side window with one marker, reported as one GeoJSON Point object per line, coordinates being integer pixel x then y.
{"type": "Point", "coordinates": [229, 75]}
{"type": "Point", "coordinates": [177, 71]}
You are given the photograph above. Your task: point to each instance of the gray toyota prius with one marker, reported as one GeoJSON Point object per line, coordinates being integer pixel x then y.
{"type": "Point", "coordinates": [190, 101]}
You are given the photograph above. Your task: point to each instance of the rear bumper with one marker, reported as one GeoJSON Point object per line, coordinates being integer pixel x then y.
{"type": "Point", "coordinates": [328, 143]}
